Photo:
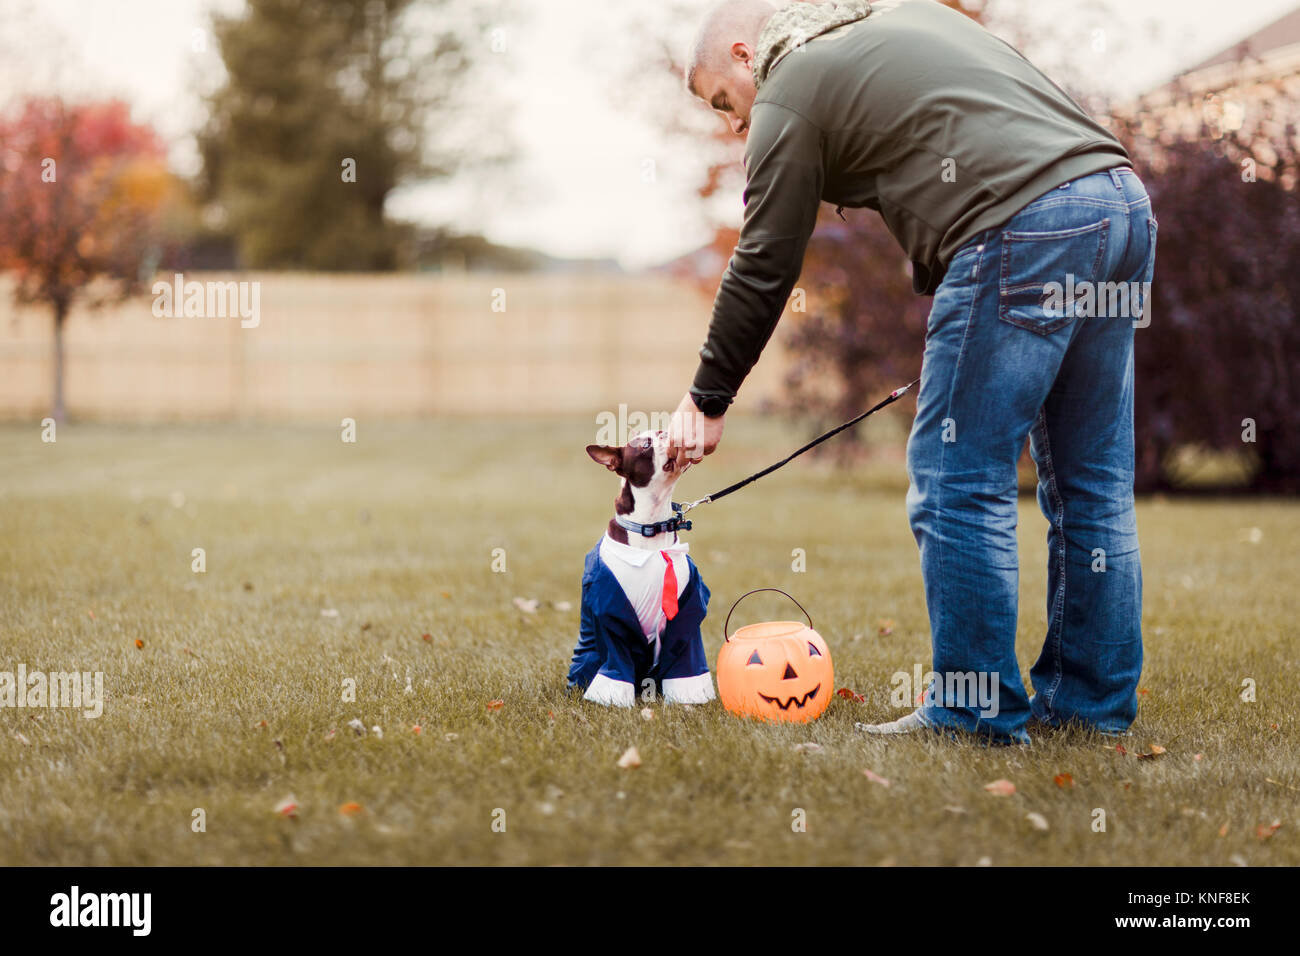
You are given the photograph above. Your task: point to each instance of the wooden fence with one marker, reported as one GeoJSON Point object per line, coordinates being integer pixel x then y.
{"type": "Point", "coordinates": [389, 346]}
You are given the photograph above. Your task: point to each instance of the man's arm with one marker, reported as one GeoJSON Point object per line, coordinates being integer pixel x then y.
{"type": "Point", "coordinates": [783, 163]}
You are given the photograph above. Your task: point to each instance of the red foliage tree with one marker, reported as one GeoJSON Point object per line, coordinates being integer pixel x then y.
{"type": "Point", "coordinates": [81, 191]}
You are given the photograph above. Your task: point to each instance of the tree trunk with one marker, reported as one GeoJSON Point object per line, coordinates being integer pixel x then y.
{"type": "Point", "coordinates": [60, 314]}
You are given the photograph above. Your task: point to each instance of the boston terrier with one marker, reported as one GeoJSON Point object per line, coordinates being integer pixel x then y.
{"type": "Point", "coordinates": [642, 596]}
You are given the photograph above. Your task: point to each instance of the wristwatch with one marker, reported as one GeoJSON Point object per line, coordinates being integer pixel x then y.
{"type": "Point", "coordinates": [713, 406]}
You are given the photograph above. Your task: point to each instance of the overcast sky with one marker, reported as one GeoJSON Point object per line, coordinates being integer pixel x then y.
{"type": "Point", "coordinates": [580, 186]}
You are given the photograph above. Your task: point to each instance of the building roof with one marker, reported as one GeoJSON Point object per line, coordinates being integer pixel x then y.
{"type": "Point", "coordinates": [1280, 33]}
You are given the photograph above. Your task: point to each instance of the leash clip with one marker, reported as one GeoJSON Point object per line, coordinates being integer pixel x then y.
{"type": "Point", "coordinates": [679, 519]}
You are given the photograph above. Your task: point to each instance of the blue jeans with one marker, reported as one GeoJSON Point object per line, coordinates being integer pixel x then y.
{"type": "Point", "coordinates": [1016, 346]}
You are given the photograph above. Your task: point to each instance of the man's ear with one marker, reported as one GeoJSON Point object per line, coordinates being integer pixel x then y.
{"type": "Point", "coordinates": [611, 458]}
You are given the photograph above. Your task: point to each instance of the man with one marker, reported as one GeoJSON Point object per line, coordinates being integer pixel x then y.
{"type": "Point", "coordinates": [1001, 191]}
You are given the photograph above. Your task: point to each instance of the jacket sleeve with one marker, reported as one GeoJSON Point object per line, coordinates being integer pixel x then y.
{"type": "Point", "coordinates": [784, 179]}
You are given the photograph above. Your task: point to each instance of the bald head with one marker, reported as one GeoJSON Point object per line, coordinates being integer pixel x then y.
{"type": "Point", "coordinates": [719, 69]}
{"type": "Point", "coordinates": [728, 23]}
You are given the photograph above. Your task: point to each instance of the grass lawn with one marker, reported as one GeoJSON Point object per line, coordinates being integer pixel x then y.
{"type": "Point", "coordinates": [235, 699]}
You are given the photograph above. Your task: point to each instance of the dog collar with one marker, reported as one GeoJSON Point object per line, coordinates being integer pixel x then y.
{"type": "Point", "coordinates": [675, 523]}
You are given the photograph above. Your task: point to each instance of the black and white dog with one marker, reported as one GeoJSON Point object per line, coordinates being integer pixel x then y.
{"type": "Point", "coordinates": [642, 596]}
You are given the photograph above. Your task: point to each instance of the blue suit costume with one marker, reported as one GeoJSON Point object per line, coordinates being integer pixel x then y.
{"type": "Point", "coordinates": [614, 655]}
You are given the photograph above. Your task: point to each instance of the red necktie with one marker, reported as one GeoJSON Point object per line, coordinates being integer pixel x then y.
{"type": "Point", "coordinates": [670, 588]}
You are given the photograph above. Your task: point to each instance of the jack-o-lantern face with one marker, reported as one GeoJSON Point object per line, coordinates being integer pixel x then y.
{"type": "Point", "coordinates": [779, 670]}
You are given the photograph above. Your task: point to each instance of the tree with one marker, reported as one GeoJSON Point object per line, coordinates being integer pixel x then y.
{"type": "Point", "coordinates": [1218, 369]}
{"type": "Point", "coordinates": [325, 110]}
{"type": "Point", "coordinates": [82, 190]}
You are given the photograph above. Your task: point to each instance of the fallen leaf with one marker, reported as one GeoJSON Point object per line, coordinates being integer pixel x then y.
{"type": "Point", "coordinates": [330, 735]}
{"type": "Point", "coordinates": [495, 704]}
{"type": "Point", "coordinates": [630, 760]}
{"type": "Point", "coordinates": [952, 809]}
{"type": "Point", "coordinates": [365, 626]}
{"type": "Point", "coordinates": [527, 605]}
{"type": "Point", "coordinates": [877, 778]}
{"type": "Point", "coordinates": [356, 724]}
{"type": "Point", "coordinates": [351, 808]}
{"type": "Point", "coordinates": [417, 730]}
{"type": "Point", "coordinates": [330, 612]}
{"type": "Point", "coordinates": [427, 637]}
{"type": "Point", "coordinates": [377, 731]}
{"type": "Point", "coordinates": [1064, 781]}
{"type": "Point", "coordinates": [1000, 788]}
{"type": "Point", "coordinates": [447, 595]}
{"type": "Point", "coordinates": [1119, 748]}
{"type": "Point", "coordinates": [1144, 692]}
{"type": "Point", "coordinates": [646, 714]}
{"type": "Point", "coordinates": [562, 605]}
{"type": "Point", "coordinates": [1223, 830]}
{"type": "Point", "coordinates": [139, 644]}
{"type": "Point", "coordinates": [1037, 821]}
{"type": "Point", "coordinates": [261, 725]}
{"type": "Point", "coordinates": [885, 626]}
{"type": "Point", "coordinates": [288, 807]}
{"type": "Point", "coordinates": [1199, 757]}
{"type": "Point", "coordinates": [848, 694]}
{"type": "Point", "coordinates": [1266, 830]}
{"type": "Point", "coordinates": [92, 614]}
{"type": "Point", "coordinates": [1156, 751]}
{"type": "Point", "coordinates": [450, 737]}
{"type": "Point", "coordinates": [808, 748]}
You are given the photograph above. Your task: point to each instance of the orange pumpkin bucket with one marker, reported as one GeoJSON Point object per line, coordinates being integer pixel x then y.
{"type": "Point", "coordinates": [776, 670]}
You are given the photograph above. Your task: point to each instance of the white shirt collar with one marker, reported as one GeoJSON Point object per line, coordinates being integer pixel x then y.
{"type": "Point", "coordinates": [637, 557]}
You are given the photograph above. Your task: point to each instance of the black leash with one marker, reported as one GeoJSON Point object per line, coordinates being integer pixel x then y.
{"type": "Point", "coordinates": [683, 525]}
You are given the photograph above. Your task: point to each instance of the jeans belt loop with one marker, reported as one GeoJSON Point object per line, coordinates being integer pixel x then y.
{"type": "Point", "coordinates": [1114, 177]}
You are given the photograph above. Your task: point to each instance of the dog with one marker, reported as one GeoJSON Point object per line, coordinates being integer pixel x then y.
{"type": "Point", "coordinates": [643, 599]}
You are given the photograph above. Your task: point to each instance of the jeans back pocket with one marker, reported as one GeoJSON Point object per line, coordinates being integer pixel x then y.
{"type": "Point", "coordinates": [1044, 272]}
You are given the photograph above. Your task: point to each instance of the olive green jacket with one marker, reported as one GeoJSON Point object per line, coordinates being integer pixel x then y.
{"type": "Point", "coordinates": [916, 112]}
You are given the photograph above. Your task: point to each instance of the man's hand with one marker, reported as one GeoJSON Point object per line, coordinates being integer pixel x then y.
{"type": "Point", "coordinates": [691, 434]}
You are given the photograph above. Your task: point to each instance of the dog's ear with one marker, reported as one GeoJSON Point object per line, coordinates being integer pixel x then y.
{"type": "Point", "coordinates": [610, 457]}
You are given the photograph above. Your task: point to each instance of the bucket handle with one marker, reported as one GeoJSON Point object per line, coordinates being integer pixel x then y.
{"type": "Point", "coordinates": [726, 623]}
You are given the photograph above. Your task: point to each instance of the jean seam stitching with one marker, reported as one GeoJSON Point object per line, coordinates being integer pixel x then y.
{"type": "Point", "coordinates": [952, 391]}
{"type": "Point", "coordinates": [1056, 623]}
